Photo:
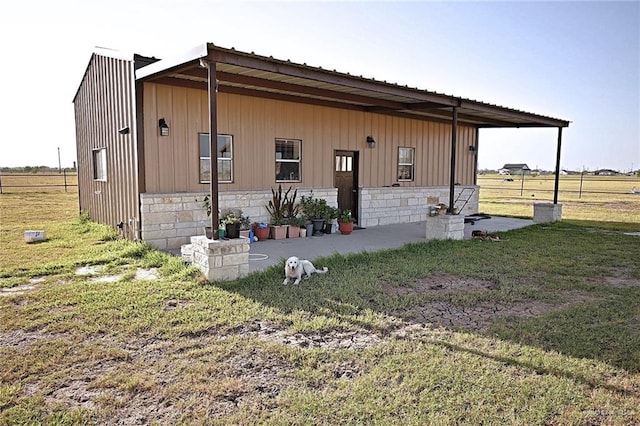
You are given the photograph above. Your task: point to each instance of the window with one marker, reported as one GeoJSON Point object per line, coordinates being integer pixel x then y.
{"type": "Point", "coordinates": [405, 163]}
{"type": "Point", "coordinates": [225, 158]}
{"type": "Point", "coordinates": [287, 160]}
{"type": "Point", "coordinates": [100, 164]}
{"type": "Point", "coordinates": [344, 163]}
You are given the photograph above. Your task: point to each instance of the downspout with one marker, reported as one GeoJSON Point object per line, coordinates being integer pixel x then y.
{"type": "Point", "coordinates": [213, 146]}
{"type": "Point", "coordinates": [557, 181]}
{"type": "Point", "coordinates": [454, 141]}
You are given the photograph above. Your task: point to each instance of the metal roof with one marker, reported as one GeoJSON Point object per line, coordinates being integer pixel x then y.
{"type": "Point", "coordinates": [261, 76]}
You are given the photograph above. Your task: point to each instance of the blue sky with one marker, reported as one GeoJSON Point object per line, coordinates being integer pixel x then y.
{"type": "Point", "coordinates": [578, 61]}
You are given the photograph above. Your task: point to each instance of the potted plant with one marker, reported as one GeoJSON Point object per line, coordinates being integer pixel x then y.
{"type": "Point", "coordinates": [245, 226]}
{"type": "Point", "coordinates": [308, 228]}
{"type": "Point", "coordinates": [279, 229]}
{"type": "Point", "coordinates": [232, 220]}
{"type": "Point", "coordinates": [314, 210]}
{"type": "Point", "coordinates": [330, 215]}
{"type": "Point", "coordinates": [206, 203]}
{"type": "Point", "coordinates": [276, 209]}
{"type": "Point", "coordinates": [345, 222]}
{"type": "Point", "coordinates": [296, 223]}
{"type": "Point", "coordinates": [290, 209]}
{"type": "Point", "coordinates": [261, 231]}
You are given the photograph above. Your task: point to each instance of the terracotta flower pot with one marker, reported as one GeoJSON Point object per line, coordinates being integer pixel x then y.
{"type": "Point", "coordinates": [262, 233]}
{"type": "Point", "coordinates": [278, 232]}
{"type": "Point", "coordinates": [345, 228]}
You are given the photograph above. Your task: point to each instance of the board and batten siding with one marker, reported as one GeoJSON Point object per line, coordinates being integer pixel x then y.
{"type": "Point", "coordinates": [172, 162]}
{"type": "Point", "coordinates": [104, 103]}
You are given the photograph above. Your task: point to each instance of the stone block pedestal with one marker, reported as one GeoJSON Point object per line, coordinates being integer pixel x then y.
{"type": "Point", "coordinates": [221, 260]}
{"type": "Point", "coordinates": [547, 212]}
{"type": "Point", "coordinates": [445, 227]}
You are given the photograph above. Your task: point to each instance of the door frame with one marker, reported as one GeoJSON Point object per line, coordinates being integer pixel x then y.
{"type": "Point", "coordinates": [355, 170]}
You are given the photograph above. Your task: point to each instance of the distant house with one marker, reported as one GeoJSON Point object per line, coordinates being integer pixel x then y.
{"type": "Point", "coordinates": [381, 150]}
{"type": "Point", "coordinates": [514, 169]}
{"type": "Point", "coordinates": [606, 172]}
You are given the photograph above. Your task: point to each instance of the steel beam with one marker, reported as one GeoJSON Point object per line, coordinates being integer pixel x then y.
{"type": "Point", "coordinates": [557, 182]}
{"type": "Point", "coordinates": [454, 142]}
{"type": "Point", "coordinates": [213, 147]}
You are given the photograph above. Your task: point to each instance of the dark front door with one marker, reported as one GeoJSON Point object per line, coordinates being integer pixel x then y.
{"type": "Point", "coordinates": [346, 180]}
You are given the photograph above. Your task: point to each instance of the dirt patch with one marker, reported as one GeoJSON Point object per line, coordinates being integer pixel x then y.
{"type": "Point", "coordinates": [472, 318]}
{"type": "Point", "coordinates": [335, 339]}
{"type": "Point", "coordinates": [621, 282]}
{"type": "Point", "coordinates": [439, 283]}
{"type": "Point", "coordinates": [174, 304]}
{"type": "Point", "coordinates": [19, 339]}
{"type": "Point", "coordinates": [616, 282]}
{"type": "Point", "coordinates": [480, 317]}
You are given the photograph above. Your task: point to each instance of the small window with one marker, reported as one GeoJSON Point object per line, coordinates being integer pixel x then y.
{"type": "Point", "coordinates": [100, 164]}
{"type": "Point", "coordinates": [344, 163]}
{"type": "Point", "coordinates": [225, 158]}
{"type": "Point", "coordinates": [405, 163]}
{"type": "Point", "coordinates": [288, 160]}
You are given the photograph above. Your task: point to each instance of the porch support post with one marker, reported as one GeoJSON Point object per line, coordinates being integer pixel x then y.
{"type": "Point", "coordinates": [475, 157]}
{"type": "Point", "coordinates": [557, 181]}
{"type": "Point", "coordinates": [454, 142]}
{"type": "Point", "coordinates": [213, 146]}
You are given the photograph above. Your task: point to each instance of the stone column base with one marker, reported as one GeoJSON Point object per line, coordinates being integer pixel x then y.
{"type": "Point", "coordinates": [445, 227]}
{"type": "Point", "coordinates": [221, 260]}
{"type": "Point", "coordinates": [547, 212]}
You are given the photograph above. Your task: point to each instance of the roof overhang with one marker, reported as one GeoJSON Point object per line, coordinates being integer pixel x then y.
{"type": "Point", "coordinates": [253, 75]}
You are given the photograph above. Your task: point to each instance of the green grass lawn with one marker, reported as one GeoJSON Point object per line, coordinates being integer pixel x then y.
{"type": "Point", "coordinates": [542, 327]}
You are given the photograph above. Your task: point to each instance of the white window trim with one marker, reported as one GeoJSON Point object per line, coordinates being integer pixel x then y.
{"type": "Point", "coordinates": [99, 162]}
{"type": "Point", "coordinates": [412, 164]}
{"type": "Point", "coordinates": [299, 161]}
{"type": "Point", "coordinates": [230, 160]}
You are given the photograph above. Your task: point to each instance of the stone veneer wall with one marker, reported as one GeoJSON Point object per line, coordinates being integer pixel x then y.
{"type": "Point", "coordinates": [387, 205]}
{"type": "Point", "coordinates": [169, 220]}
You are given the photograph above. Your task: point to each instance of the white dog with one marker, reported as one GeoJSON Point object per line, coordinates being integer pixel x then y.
{"type": "Point", "coordinates": [294, 268]}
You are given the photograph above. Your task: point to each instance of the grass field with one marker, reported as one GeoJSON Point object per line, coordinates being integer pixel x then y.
{"type": "Point", "coordinates": [19, 183]}
{"type": "Point", "coordinates": [542, 327]}
{"type": "Point", "coordinates": [598, 198]}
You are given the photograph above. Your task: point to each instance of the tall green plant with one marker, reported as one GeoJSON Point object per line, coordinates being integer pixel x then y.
{"type": "Point", "coordinates": [291, 208]}
{"type": "Point", "coordinates": [282, 206]}
{"type": "Point", "coordinates": [276, 206]}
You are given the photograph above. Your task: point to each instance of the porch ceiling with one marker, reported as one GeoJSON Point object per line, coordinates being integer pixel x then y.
{"type": "Point", "coordinates": [254, 75]}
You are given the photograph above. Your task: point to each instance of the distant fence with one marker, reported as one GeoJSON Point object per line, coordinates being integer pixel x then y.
{"type": "Point", "coordinates": [571, 186]}
{"type": "Point", "coordinates": [508, 186]}
{"type": "Point", "coordinates": [31, 182]}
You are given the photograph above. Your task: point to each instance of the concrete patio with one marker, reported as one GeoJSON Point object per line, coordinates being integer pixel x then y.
{"type": "Point", "coordinates": [267, 253]}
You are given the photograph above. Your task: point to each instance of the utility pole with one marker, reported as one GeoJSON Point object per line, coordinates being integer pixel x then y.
{"type": "Point", "coordinates": [59, 163]}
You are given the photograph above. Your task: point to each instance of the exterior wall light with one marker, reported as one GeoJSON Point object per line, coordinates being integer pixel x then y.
{"type": "Point", "coordinates": [164, 127]}
{"type": "Point", "coordinates": [472, 148]}
{"type": "Point", "coordinates": [371, 142]}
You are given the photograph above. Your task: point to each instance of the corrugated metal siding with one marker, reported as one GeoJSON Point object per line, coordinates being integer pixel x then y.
{"type": "Point", "coordinates": [172, 162]}
{"type": "Point", "coordinates": [104, 104]}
